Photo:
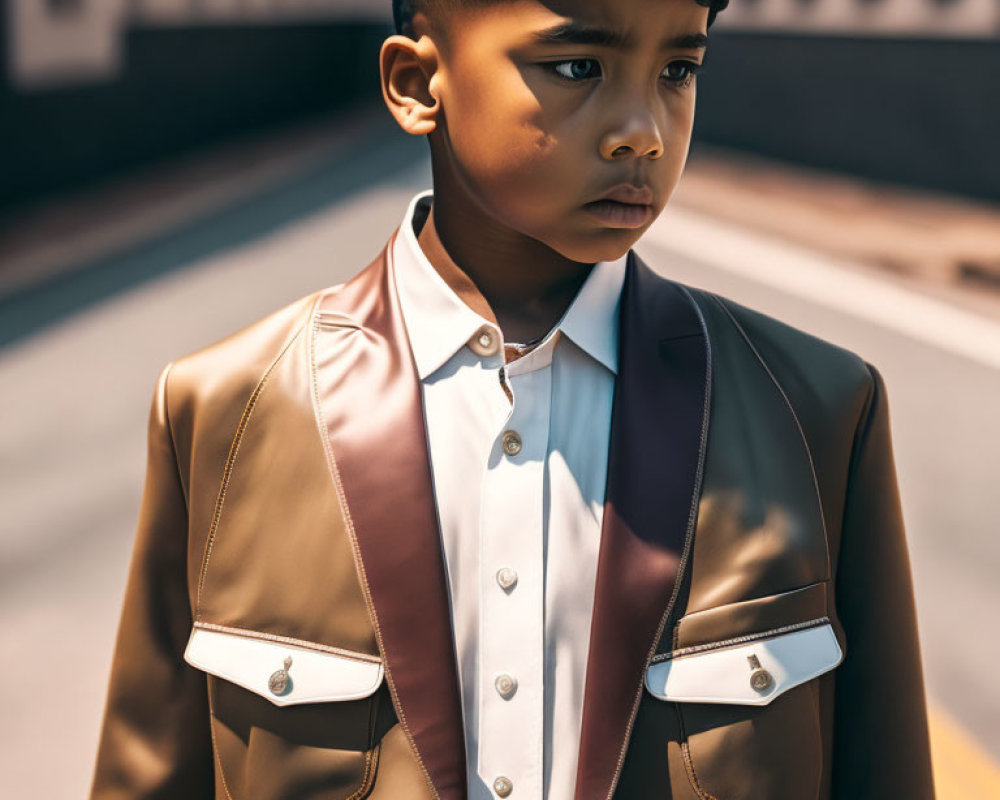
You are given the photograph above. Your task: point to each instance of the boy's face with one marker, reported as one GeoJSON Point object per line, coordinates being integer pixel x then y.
{"type": "Point", "coordinates": [547, 107]}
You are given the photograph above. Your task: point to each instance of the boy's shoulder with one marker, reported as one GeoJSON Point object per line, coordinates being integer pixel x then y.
{"type": "Point", "coordinates": [236, 363]}
{"type": "Point", "coordinates": [794, 358]}
{"type": "Point", "coordinates": [759, 329]}
{"type": "Point", "coordinates": [820, 379]}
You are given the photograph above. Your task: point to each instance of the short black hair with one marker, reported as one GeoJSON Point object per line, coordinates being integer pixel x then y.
{"type": "Point", "coordinates": [403, 10]}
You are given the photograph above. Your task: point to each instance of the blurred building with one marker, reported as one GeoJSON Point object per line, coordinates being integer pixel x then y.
{"type": "Point", "coordinates": [900, 90]}
{"type": "Point", "coordinates": [92, 87]}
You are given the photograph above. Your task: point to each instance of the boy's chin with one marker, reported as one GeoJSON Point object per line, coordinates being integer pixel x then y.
{"type": "Point", "coordinates": [605, 246]}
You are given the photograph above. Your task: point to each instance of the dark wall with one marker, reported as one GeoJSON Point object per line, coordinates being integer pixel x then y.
{"type": "Point", "coordinates": [916, 111]}
{"type": "Point", "coordinates": [923, 112]}
{"type": "Point", "coordinates": [181, 88]}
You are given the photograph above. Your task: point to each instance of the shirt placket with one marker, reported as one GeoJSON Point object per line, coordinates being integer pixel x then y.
{"type": "Point", "coordinates": [511, 724]}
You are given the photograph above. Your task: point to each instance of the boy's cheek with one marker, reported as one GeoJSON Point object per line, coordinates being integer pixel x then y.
{"type": "Point", "coordinates": [527, 168]}
{"type": "Point", "coordinates": [496, 136]}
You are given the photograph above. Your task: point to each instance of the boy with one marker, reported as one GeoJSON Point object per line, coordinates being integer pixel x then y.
{"type": "Point", "coordinates": [508, 514]}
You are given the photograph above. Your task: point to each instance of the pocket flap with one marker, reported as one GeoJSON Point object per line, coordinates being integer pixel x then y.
{"type": "Point", "coordinates": [745, 672]}
{"type": "Point", "coordinates": [312, 675]}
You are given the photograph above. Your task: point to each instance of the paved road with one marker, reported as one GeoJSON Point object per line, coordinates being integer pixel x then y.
{"type": "Point", "coordinates": [74, 397]}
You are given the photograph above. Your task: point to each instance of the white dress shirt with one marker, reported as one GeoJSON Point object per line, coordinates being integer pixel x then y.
{"type": "Point", "coordinates": [519, 486]}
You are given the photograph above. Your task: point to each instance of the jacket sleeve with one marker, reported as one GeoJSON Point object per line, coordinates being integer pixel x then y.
{"type": "Point", "coordinates": [155, 740]}
{"type": "Point", "coordinates": [881, 744]}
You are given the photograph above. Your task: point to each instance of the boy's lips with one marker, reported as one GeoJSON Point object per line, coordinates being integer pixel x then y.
{"type": "Point", "coordinates": [629, 194]}
{"type": "Point", "coordinates": [623, 206]}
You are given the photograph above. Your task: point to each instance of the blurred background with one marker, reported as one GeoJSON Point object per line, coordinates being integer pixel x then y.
{"type": "Point", "coordinates": [171, 170]}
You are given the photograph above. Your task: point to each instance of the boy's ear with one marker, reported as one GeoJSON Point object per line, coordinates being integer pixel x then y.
{"type": "Point", "coordinates": [408, 68]}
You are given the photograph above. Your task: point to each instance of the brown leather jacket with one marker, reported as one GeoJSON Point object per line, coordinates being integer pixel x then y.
{"type": "Point", "coordinates": [285, 632]}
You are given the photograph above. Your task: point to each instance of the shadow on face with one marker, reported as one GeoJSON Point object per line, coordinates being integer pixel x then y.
{"type": "Point", "coordinates": [565, 121]}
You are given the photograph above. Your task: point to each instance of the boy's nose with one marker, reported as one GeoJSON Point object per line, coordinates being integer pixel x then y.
{"type": "Point", "coordinates": [637, 136]}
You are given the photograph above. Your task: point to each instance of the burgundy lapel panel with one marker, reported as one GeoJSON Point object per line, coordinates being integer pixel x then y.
{"type": "Point", "coordinates": [656, 453]}
{"type": "Point", "coordinates": [368, 393]}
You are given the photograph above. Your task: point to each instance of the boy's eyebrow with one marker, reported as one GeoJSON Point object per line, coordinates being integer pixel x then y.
{"type": "Point", "coordinates": [570, 33]}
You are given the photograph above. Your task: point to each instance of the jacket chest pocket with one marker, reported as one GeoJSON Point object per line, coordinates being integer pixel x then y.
{"type": "Point", "coordinates": [289, 720]}
{"type": "Point", "coordinates": [747, 706]}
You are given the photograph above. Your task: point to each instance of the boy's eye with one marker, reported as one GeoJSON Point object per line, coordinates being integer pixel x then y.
{"type": "Point", "coordinates": [579, 69]}
{"type": "Point", "coordinates": [680, 72]}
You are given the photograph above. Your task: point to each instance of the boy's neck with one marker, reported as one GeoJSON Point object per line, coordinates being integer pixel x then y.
{"type": "Point", "coordinates": [520, 284]}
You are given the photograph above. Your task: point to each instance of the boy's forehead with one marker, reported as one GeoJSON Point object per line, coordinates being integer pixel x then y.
{"type": "Point", "coordinates": [626, 19]}
{"type": "Point", "coordinates": [607, 10]}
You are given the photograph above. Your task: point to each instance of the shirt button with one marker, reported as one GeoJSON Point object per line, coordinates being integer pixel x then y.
{"type": "Point", "coordinates": [506, 685]}
{"type": "Point", "coordinates": [502, 786]}
{"type": "Point", "coordinates": [485, 342]}
{"type": "Point", "coordinates": [511, 443]}
{"type": "Point", "coordinates": [506, 577]}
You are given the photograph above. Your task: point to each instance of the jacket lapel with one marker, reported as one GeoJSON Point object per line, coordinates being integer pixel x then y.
{"type": "Point", "coordinates": [378, 455]}
{"type": "Point", "coordinates": [368, 399]}
{"type": "Point", "coordinates": [658, 432]}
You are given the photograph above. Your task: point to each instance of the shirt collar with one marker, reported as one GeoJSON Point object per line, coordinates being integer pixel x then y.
{"type": "Point", "coordinates": [591, 320]}
{"type": "Point", "coordinates": [439, 324]}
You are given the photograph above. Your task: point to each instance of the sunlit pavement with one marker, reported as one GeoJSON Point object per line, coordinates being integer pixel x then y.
{"type": "Point", "coordinates": [75, 388]}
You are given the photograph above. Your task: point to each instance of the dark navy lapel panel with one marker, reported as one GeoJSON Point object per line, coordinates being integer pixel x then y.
{"type": "Point", "coordinates": [658, 431]}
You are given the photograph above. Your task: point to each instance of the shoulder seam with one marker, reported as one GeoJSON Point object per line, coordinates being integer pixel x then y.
{"type": "Point", "coordinates": [234, 447]}
{"type": "Point", "coordinates": [864, 419]}
{"type": "Point", "coordinates": [170, 433]}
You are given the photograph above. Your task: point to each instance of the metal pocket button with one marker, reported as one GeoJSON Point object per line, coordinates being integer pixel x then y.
{"type": "Point", "coordinates": [280, 682]}
{"type": "Point", "coordinates": [760, 678]}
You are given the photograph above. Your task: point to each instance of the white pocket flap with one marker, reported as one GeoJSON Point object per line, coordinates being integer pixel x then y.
{"type": "Point", "coordinates": [751, 673]}
{"type": "Point", "coordinates": [312, 676]}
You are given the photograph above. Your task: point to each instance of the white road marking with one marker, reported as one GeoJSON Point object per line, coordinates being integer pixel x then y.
{"type": "Point", "coordinates": [827, 281]}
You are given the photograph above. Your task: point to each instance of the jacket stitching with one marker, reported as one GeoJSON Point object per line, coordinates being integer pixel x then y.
{"type": "Point", "coordinates": [215, 745]}
{"type": "Point", "coordinates": [688, 537]}
{"type": "Point", "coordinates": [230, 464]}
{"type": "Point", "coordinates": [795, 417]}
{"type": "Point", "coordinates": [273, 637]}
{"type": "Point", "coordinates": [692, 775]}
{"type": "Point", "coordinates": [371, 754]}
{"type": "Point", "coordinates": [685, 748]}
{"type": "Point", "coordinates": [370, 760]}
{"type": "Point", "coordinates": [352, 535]}
{"type": "Point", "coordinates": [675, 632]}
{"type": "Point", "coordinates": [737, 640]}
